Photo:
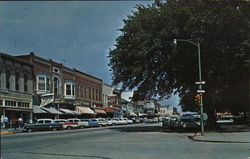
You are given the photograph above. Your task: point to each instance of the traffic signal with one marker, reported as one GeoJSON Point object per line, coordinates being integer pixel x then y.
{"type": "Point", "coordinates": [197, 99]}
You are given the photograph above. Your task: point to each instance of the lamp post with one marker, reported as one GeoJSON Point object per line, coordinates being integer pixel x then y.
{"type": "Point", "coordinates": [200, 83]}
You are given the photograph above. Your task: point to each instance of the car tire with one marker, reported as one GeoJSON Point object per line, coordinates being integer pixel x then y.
{"type": "Point", "coordinates": [68, 128]}
{"type": "Point", "coordinates": [29, 130]}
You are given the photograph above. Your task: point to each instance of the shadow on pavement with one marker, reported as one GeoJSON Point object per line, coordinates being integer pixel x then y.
{"type": "Point", "coordinates": [151, 128]}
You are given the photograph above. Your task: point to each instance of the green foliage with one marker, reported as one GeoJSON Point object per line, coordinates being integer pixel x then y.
{"type": "Point", "coordinates": [145, 57]}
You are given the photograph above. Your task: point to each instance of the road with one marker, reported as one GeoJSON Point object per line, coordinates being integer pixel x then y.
{"type": "Point", "coordinates": [144, 141]}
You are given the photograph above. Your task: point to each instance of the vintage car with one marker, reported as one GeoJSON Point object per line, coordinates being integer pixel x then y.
{"type": "Point", "coordinates": [42, 124]}
{"type": "Point", "coordinates": [91, 123]}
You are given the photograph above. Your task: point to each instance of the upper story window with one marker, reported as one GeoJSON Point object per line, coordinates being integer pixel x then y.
{"type": "Point", "coordinates": [56, 85]}
{"type": "Point", "coordinates": [43, 83]}
{"type": "Point", "coordinates": [56, 70]}
{"type": "Point", "coordinates": [25, 80]}
{"type": "Point", "coordinates": [17, 81]}
{"type": "Point", "coordinates": [7, 79]}
{"type": "Point", "coordinates": [69, 89]}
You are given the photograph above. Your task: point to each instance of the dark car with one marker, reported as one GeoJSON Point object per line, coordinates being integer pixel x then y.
{"type": "Point", "coordinates": [42, 124]}
{"type": "Point", "coordinates": [91, 122]}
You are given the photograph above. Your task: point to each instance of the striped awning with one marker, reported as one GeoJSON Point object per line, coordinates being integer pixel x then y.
{"type": "Point", "coordinates": [84, 110]}
{"type": "Point", "coordinates": [132, 114]}
{"type": "Point", "coordinates": [67, 111]}
{"type": "Point", "coordinates": [100, 111]}
{"type": "Point", "coordinates": [38, 110]}
{"type": "Point", "coordinates": [52, 110]}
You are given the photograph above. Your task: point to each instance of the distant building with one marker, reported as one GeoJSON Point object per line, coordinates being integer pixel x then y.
{"type": "Point", "coordinates": [167, 110]}
{"type": "Point", "coordinates": [16, 88]}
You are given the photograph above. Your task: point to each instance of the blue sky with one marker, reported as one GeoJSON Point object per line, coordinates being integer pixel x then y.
{"type": "Point", "coordinates": [77, 33]}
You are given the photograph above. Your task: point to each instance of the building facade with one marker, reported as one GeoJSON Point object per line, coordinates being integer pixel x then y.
{"type": "Point", "coordinates": [61, 87]}
{"type": "Point", "coordinates": [16, 88]}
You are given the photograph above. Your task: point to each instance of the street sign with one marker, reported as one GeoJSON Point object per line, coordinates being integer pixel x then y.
{"type": "Point", "coordinates": [201, 91]}
{"type": "Point", "coordinates": [201, 82]}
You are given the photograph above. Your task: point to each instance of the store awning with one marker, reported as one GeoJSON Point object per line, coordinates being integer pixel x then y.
{"type": "Point", "coordinates": [38, 110]}
{"type": "Point", "coordinates": [111, 109]}
{"type": "Point", "coordinates": [84, 110]}
{"type": "Point", "coordinates": [132, 114]}
{"type": "Point", "coordinates": [100, 111]}
{"type": "Point", "coordinates": [67, 111]}
{"type": "Point", "coordinates": [51, 110]}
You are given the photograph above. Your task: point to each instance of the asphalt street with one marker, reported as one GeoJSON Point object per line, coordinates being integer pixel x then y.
{"type": "Point", "coordinates": [144, 141]}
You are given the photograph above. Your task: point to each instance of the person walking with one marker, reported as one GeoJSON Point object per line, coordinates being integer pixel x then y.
{"type": "Point", "coordinates": [6, 122]}
{"type": "Point", "coordinates": [20, 122]}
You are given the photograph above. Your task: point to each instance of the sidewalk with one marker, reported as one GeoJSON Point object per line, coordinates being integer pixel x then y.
{"type": "Point", "coordinates": [10, 131]}
{"type": "Point", "coordinates": [233, 137]}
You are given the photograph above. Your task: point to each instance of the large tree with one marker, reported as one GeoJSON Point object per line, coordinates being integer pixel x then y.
{"type": "Point", "coordinates": [145, 57]}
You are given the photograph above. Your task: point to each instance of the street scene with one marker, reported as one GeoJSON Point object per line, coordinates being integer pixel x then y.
{"type": "Point", "coordinates": [125, 79]}
{"type": "Point", "coordinates": [142, 141]}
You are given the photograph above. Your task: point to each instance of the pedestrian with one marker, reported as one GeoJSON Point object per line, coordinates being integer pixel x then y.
{"type": "Point", "coordinates": [20, 122]}
{"type": "Point", "coordinates": [6, 122]}
{"type": "Point", "coordinates": [2, 122]}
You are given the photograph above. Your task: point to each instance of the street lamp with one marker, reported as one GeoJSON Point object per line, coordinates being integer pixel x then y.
{"type": "Point", "coordinates": [200, 83]}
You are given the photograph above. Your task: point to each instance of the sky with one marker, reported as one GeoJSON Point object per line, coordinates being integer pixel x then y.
{"type": "Point", "coordinates": [77, 34]}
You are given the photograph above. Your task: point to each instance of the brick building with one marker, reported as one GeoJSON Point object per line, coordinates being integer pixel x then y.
{"type": "Point", "coordinates": [16, 88]}
{"type": "Point", "coordinates": [64, 88]}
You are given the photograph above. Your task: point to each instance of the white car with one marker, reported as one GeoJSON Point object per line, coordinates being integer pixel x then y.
{"type": "Point", "coordinates": [128, 121]}
{"type": "Point", "coordinates": [110, 122]}
{"type": "Point", "coordinates": [117, 121]}
{"type": "Point", "coordinates": [225, 119]}
{"type": "Point", "coordinates": [81, 124]}
{"type": "Point", "coordinates": [101, 121]}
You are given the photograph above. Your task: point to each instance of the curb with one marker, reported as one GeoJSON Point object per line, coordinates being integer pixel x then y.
{"type": "Point", "coordinates": [215, 141]}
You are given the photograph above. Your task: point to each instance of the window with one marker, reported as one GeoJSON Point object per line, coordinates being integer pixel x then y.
{"type": "Point", "coordinates": [47, 84]}
{"type": "Point", "coordinates": [68, 89]}
{"type": "Point", "coordinates": [22, 104]}
{"type": "Point", "coordinates": [17, 81]}
{"type": "Point", "coordinates": [1, 102]}
{"type": "Point", "coordinates": [56, 70]}
{"type": "Point", "coordinates": [73, 90]}
{"type": "Point", "coordinates": [25, 80]}
{"type": "Point", "coordinates": [44, 83]}
{"type": "Point", "coordinates": [41, 83]}
{"type": "Point", "coordinates": [56, 85]}
{"type": "Point", "coordinates": [7, 79]}
{"type": "Point", "coordinates": [93, 93]}
{"type": "Point", "coordinates": [47, 121]}
{"type": "Point", "coordinates": [10, 103]}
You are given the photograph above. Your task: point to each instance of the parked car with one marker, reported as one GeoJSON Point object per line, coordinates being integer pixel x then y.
{"type": "Point", "coordinates": [101, 121]}
{"type": "Point", "coordinates": [191, 121]}
{"type": "Point", "coordinates": [91, 122]}
{"type": "Point", "coordinates": [81, 124]}
{"type": "Point", "coordinates": [117, 121]}
{"type": "Point", "coordinates": [225, 119]}
{"type": "Point", "coordinates": [128, 121]}
{"type": "Point", "coordinates": [61, 121]}
{"type": "Point", "coordinates": [171, 122]}
{"type": "Point", "coordinates": [42, 124]}
{"type": "Point", "coordinates": [110, 122]}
